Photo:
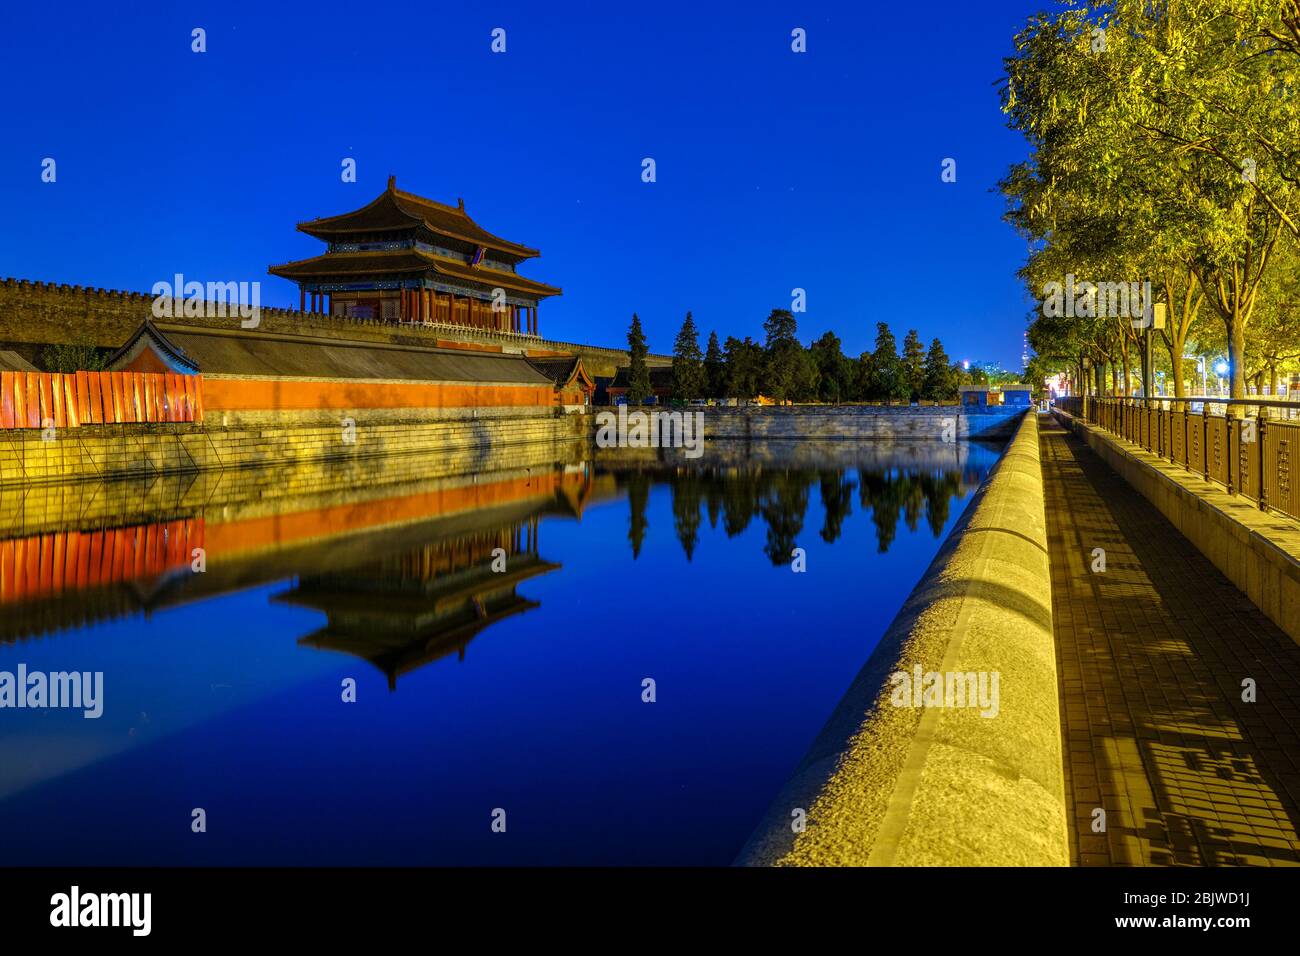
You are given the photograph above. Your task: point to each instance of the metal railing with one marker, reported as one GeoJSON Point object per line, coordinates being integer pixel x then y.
{"type": "Point", "coordinates": [1251, 448]}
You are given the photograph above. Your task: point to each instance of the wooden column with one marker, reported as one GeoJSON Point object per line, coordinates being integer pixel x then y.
{"type": "Point", "coordinates": [302, 299]}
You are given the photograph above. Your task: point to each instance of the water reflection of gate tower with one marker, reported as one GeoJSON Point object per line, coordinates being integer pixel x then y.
{"type": "Point", "coordinates": [404, 258]}
{"type": "Point", "coordinates": [409, 609]}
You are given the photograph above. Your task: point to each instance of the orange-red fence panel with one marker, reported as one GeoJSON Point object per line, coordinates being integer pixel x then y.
{"type": "Point", "coordinates": [6, 399]}
{"type": "Point", "coordinates": [73, 399]}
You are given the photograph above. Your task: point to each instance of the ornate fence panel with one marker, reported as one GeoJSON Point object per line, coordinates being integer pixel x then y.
{"type": "Point", "coordinates": [1244, 452]}
{"type": "Point", "coordinates": [1216, 449]}
{"type": "Point", "coordinates": [1196, 443]}
{"type": "Point", "coordinates": [1178, 442]}
{"type": "Point", "coordinates": [1281, 490]}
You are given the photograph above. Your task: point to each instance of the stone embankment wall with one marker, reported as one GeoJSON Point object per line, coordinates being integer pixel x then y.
{"type": "Point", "coordinates": [905, 785]}
{"type": "Point", "coordinates": [33, 314]}
{"type": "Point", "coordinates": [886, 422]}
{"type": "Point", "coordinates": [108, 452]}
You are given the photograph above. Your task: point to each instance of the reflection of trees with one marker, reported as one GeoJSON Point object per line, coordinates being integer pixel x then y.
{"type": "Point", "coordinates": [688, 492]}
{"type": "Point", "coordinates": [886, 494]}
{"type": "Point", "coordinates": [837, 503]}
{"type": "Point", "coordinates": [638, 495]}
{"type": "Point", "coordinates": [713, 491]}
{"type": "Point", "coordinates": [781, 498]}
{"type": "Point", "coordinates": [739, 502]}
{"type": "Point", "coordinates": [784, 502]}
{"type": "Point", "coordinates": [939, 490]}
{"type": "Point", "coordinates": [882, 493]}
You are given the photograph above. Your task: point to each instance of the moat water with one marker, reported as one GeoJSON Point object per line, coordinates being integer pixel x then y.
{"type": "Point", "coordinates": [497, 631]}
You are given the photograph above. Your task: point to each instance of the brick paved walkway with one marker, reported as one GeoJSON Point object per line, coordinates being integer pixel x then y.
{"type": "Point", "coordinates": [1152, 654]}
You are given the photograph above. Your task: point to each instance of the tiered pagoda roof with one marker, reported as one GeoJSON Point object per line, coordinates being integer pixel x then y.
{"type": "Point", "coordinates": [400, 223]}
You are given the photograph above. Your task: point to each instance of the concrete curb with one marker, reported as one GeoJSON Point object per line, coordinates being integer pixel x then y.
{"type": "Point", "coordinates": [887, 785]}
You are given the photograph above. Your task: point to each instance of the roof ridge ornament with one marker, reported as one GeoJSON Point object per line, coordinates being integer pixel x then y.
{"type": "Point", "coordinates": [392, 184]}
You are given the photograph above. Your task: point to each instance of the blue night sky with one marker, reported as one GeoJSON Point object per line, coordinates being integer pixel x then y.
{"type": "Point", "coordinates": [775, 170]}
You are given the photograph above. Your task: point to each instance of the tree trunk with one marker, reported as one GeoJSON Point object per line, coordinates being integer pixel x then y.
{"type": "Point", "coordinates": [1176, 346]}
{"type": "Point", "coordinates": [1236, 330]}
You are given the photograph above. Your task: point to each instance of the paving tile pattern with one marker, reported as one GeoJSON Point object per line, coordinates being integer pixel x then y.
{"type": "Point", "coordinates": [1151, 655]}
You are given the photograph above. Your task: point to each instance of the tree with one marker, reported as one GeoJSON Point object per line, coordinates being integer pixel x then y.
{"type": "Point", "coordinates": [77, 357]}
{"type": "Point", "coordinates": [638, 376]}
{"type": "Point", "coordinates": [913, 365]}
{"type": "Point", "coordinates": [744, 366]}
{"type": "Point", "coordinates": [782, 373]}
{"type": "Point", "coordinates": [715, 367]}
{"type": "Point", "coordinates": [1179, 121]}
{"type": "Point", "coordinates": [688, 365]}
{"type": "Point", "coordinates": [888, 382]}
{"type": "Point", "coordinates": [834, 371]}
{"type": "Point", "coordinates": [938, 382]}
{"type": "Point", "coordinates": [864, 377]}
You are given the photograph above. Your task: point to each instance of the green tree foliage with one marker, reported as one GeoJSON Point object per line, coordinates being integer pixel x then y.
{"type": "Point", "coordinates": [638, 382]}
{"type": "Point", "coordinates": [887, 380]}
{"type": "Point", "coordinates": [80, 357]}
{"type": "Point", "coordinates": [744, 363]}
{"type": "Point", "coordinates": [785, 374]}
{"type": "Point", "coordinates": [834, 371]}
{"type": "Point", "coordinates": [913, 365]}
{"type": "Point", "coordinates": [1165, 140]}
{"type": "Point", "coordinates": [688, 364]}
{"type": "Point", "coordinates": [715, 368]}
{"type": "Point", "coordinates": [939, 384]}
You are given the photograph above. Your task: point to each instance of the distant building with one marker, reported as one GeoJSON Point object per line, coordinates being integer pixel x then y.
{"type": "Point", "coordinates": [404, 258]}
{"type": "Point", "coordinates": [574, 386]}
{"type": "Point", "coordinates": [1016, 394]}
{"type": "Point", "coordinates": [661, 384]}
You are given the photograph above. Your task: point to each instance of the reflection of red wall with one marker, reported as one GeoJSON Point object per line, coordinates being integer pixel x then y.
{"type": "Point", "coordinates": [254, 534]}
{"type": "Point", "coordinates": [72, 560]}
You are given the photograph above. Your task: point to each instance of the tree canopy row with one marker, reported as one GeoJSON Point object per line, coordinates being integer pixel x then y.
{"type": "Point", "coordinates": [783, 369]}
{"type": "Point", "coordinates": [1164, 149]}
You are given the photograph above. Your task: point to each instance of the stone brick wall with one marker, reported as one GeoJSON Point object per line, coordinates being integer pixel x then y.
{"type": "Point", "coordinates": [33, 314]}
{"type": "Point", "coordinates": [884, 422]}
{"type": "Point", "coordinates": [108, 452]}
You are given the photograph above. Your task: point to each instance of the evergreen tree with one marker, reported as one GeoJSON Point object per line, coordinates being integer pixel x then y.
{"type": "Point", "coordinates": [744, 361]}
{"type": "Point", "coordinates": [715, 368]}
{"type": "Point", "coordinates": [688, 365]}
{"type": "Point", "coordinates": [940, 386]}
{"type": "Point", "coordinates": [888, 383]}
{"type": "Point", "coordinates": [834, 371]}
{"type": "Point", "coordinates": [864, 378]}
{"type": "Point", "coordinates": [782, 373]}
{"type": "Point", "coordinates": [638, 379]}
{"type": "Point", "coordinates": [913, 365]}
